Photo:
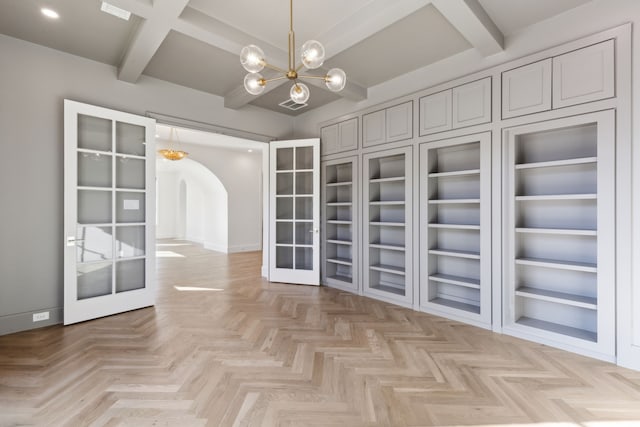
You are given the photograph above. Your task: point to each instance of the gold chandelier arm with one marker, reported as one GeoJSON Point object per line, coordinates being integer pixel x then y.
{"type": "Point", "coordinates": [300, 67]}
{"type": "Point", "coordinates": [274, 68]}
{"type": "Point", "coordinates": [292, 39]}
{"type": "Point", "coordinates": [313, 77]}
{"type": "Point", "coordinates": [274, 79]}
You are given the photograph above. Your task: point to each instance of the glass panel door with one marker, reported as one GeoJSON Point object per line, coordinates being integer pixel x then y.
{"type": "Point", "coordinates": [294, 223]}
{"type": "Point", "coordinates": [109, 166]}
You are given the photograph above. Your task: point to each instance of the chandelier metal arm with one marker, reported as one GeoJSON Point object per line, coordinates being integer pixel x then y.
{"type": "Point", "coordinates": [265, 81]}
{"type": "Point", "coordinates": [313, 77]}
{"type": "Point", "coordinates": [274, 68]}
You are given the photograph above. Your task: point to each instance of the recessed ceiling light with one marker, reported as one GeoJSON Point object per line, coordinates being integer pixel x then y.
{"type": "Point", "coordinates": [115, 11]}
{"type": "Point", "coordinates": [250, 150]}
{"type": "Point", "coordinates": [157, 136]}
{"type": "Point", "coordinates": [49, 13]}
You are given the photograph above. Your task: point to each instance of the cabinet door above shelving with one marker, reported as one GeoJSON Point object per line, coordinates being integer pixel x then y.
{"type": "Point", "coordinates": [472, 103]}
{"type": "Point", "coordinates": [399, 120]}
{"type": "Point", "coordinates": [527, 89]}
{"type": "Point", "coordinates": [435, 113]}
{"type": "Point", "coordinates": [348, 135]}
{"type": "Point", "coordinates": [329, 139]}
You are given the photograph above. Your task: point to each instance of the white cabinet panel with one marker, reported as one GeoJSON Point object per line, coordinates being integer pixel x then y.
{"type": "Point", "coordinates": [373, 128]}
{"type": "Point", "coordinates": [348, 135]}
{"type": "Point", "coordinates": [435, 113]}
{"type": "Point", "coordinates": [472, 103]}
{"type": "Point", "coordinates": [399, 122]}
{"type": "Point", "coordinates": [329, 139]}
{"type": "Point", "coordinates": [584, 75]}
{"type": "Point", "coordinates": [526, 89]}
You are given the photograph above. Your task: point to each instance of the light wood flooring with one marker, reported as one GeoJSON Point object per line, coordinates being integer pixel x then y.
{"type": "Point", "coordinates": [224, 347]}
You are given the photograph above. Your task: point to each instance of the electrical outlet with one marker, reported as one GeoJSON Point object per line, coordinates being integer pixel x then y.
{"type": "Point", "coordinates": [38, 317]}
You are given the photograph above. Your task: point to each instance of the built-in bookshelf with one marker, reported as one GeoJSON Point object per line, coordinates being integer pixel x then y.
{"type": "Point", "coordinates": [387, 225]}
{"type": "Point", "coordinates": [455, 228]}
{"type": "Point", "coordinates": [339, 213]}
{"type": "Point", "coordinates": [561, 235]}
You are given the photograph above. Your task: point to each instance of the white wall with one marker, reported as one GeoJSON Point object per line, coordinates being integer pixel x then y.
{"type": "Point", "coordinates": [167, 212]}
{"type": "Point", "coordinates": [34, 81]}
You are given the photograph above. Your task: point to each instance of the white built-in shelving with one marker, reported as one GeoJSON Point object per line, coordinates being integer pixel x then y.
{"type": "Point", "coordinates": [560, 255]}
{"type": "Point", "coordinates": [455, 228]}
{"type": "Point", "coordinates": [340, 244]}
{"type": "Point", "coordinates": [387, 225]}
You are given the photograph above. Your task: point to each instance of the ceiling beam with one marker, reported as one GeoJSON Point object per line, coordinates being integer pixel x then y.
{"type": "Point", "coordinates": [149, 37]}
{"type": "Point", "coordinates": [473, 22]}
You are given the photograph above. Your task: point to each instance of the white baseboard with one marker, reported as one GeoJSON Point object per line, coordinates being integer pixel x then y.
{"type": "Point", "coordinates": [216, 247]}
{"type": "Point", "coordinates": [24, 321]}
{"type": "Point", "coordinates": [251, 247]}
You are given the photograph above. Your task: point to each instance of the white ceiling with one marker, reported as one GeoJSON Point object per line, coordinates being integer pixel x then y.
{"type": "Point", "coordinates": [196, 43]}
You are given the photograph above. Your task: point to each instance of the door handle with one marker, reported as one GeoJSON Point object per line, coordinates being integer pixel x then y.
{"type": "Point", "coordinates": [71, 240]}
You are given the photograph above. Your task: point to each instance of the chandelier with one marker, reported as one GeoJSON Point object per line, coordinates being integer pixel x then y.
{"type": "Point", "coordinates": [312, 55]}
{"type": "Point", "coordinates": [170, 153]}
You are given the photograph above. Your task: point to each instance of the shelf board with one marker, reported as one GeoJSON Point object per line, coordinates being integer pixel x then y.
{"type": "Point", "coordinates": [456, 280]}
{"type": "Point", "coordinates": [455, 226]}
{"type": "Point", "coordinates": [456, 254]}
{"type": "Point", "coordinates": [388, 203]}
{"type": "Point", "coordinates": [454, 173]}
{"type": "Point", "coordinates": [339, 204]}
{"type": "Point", "coordinates": [453, 201]}
{"type": "Point", "coordinates": [340, 242]}
{"type": "Point", "coordinates": [558, 329]}
{"type": "Point", "coordinates": [340, 278]}
{"type": "Point", "coordinates": [553, 163]}
{"type": "Point", "coordinates": [561, 231]}
{"type": "Point", "coordinates": [558, 297]}
{"type": "Point", "coordinates": [390, 179]}
{"type": "Point", "coordinates": [341, 261]}
{"type": "Point", "coordinates": [587, 196]}
{"type": "Point", "coordinates": [561, 265]}
{"type": "Point", "coordinates": [388, 247]}
{"type": "Point", "coordinates": [388, 224]}
{"type": "Point", "coordinates": [388, 269]}
{"type": "Point", "coordinates": [457, 305]}
{"type": "Point", "coordinates": [389, 289]}
{"type": "Point", "coordinates": [86, 188]}
{"type": "Point", "coordinates": [131, 190]}
{"type": "Point", "coordinates": [338, 184]}
{"type": "Point", "coordinates": [335, 221]}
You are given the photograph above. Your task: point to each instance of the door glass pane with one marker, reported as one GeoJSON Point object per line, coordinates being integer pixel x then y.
{"type": "Point", "coordinates": [130, 207]}
{"type": "Point", "coordinates": [284, 257]}
{"type": "Point", "coordinates": [284, 208]}
{"type": "Point", "coordinates": [304, 208]}
{"type": "Point", "coordinates": [94, 279]}
{"type": "Point", "coordinates": [284, 183]}
{"type": "Point", "coordinates": [130, 241]}
{"type": "Point", "coordinates": [94, 133]}
{"type": "Point", "coordinates": [284, 232]}
{"type": "Point", "coordinates": [94, 207]}
{"type": "Point", "coordinates": [304, 233]}
{"type": "Point", "coordinates": [304, 182]}
{"type": "Point", "coordinates": [129, 275]}
{"type": "Point", "coordinates": [94, 244]}
{"type": "Point", "coordinates": [284, 159]}
{"type": "Point", "coordinates": [94, 170]}
{"type": "Point", "coordinates": [304, 158]}
{"type": "Point", "coordinates": [130, 139]}
{"type": "Point", "coordinates": [130, 173]}
{"type": "Point", "coordinates": [304, 259]}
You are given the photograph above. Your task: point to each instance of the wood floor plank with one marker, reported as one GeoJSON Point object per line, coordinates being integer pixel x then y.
{"type": "Point", "coordinates": [224, 347]}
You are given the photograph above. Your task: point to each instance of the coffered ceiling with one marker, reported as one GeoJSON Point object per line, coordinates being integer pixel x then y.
{"type": "Point", "coordinates": [196, 43]}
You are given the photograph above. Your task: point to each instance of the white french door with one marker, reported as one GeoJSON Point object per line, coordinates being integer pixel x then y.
{"type": "Point", "coordinates": [109, 255]}
{"type": "Point", "coordinates": [294, 211]}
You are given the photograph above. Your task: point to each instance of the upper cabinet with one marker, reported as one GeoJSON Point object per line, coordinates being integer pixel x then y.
{"type": "Point", "coordinates": [339, 137]}
{"type": "Point", "coordinates": [388, 125]}
{"type": "Point", "coordinates": [584, 75]}
{"type": "Point", "coordinates": [465, 105]}
{"type": "Point", "coordinates": [526, 89]}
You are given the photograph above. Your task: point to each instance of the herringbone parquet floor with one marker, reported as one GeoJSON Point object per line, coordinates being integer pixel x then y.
{"type": "Point", "coordinates": [224, 347]}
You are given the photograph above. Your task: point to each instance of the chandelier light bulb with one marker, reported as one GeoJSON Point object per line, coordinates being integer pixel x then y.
{"type": "Point", "coordinates": [254, 83]}
{"type": "Point", "coordinates": [312, 54]}
{"type": "Point", "coordinates": [252, 58]}
{"type": "Point", "coordinates": [299, 93]}
{"type": "Point", "coordinates": [336, 79]}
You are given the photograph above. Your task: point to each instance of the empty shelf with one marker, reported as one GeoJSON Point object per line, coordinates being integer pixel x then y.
{"type": "Point", "coordinates": [341, 261]}
{"type": "Point", "coordinates": [388, 269]}
{"type": "Point", "coordinates": [453, 201]}
{"type": "Point", "coordinates": [388, 224]}
{"type": "Point", "coordinates": [552, 163]}
{"type": "Point", "coordinates": [453, 253]}
{"type": "Point", "coordinates": [339, 204]}
{"type": "Point", "coordinates": [389, 289]}
{"type": "Point", "coordinates": [588, 196]}
{"type": "Point", "coordinates": [338, 184]}
{"type": "Point", "coordinates": [558, 297]}
{"type": "Point", "coordinates": [390, 179]}
{"type": "Point", "coordinates": [340, 278]}
{"type": "Point", "coordinates": [336, 221]}
{"type": "Point", "coordinates": [562, 265]}
{"type": "Point", "coordinates": [457, 305]}
{"type": "Point", "coordinates": [558, 329]}
{"type": "Point", "coordinates": [455, 173]}
{"type": "Point", "coordinates": [561, 231]}
{"type": "Point", "coordinates": [340, 242]}
{"type": "Point", "coordinates": [387, 203]}
{"type": "Point", "coordinates": [388, 247]}
{"type": "Point", "coordinates": [456, 280]}
{"type": "Point", "coordinates": [455, 226]}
